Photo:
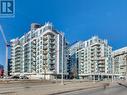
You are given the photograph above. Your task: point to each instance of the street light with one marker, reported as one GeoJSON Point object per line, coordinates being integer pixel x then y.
{"type": "Point", "coordinates": [94, 75]}
{"type": "Point", "coordinates": [62, 82]}
{"type": "Point", "coordinates": [113, 70]}
{"type": "Point", "coordinates": [6, 45]}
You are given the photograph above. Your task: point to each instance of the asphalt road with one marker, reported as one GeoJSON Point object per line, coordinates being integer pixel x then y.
{"type": "Point", "coordinates": [45, 88]}
{"type": "Point", "coordinates": [117, 90]}
{"type": "Point", "coordinates": [39, 87]}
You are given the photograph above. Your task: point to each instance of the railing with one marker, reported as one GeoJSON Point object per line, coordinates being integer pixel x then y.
{"type": "Point", "coordinates": [45, 47]}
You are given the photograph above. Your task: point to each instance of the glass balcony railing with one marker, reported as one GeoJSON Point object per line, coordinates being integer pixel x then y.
{"type": "Point", "coordinates": [45, 47]}
{"type": "Point", "coordinates": [45, 52]}
{"type": "Point", "coordinates": [44, 57]}
{"type": "Point", "coordinates": [33, 46]}
{"type": "Point", "coordinates": [101, 66]}
{"type": "Point", "coordinates": [45, 38]}
{"type": "Point", "coordinates": [52, 52]}
{"type": "Point", "coordinates": [45, 43]}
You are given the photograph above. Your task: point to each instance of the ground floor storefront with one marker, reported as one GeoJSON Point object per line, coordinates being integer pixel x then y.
{"type": "Point", "coordinates": [99, 77]}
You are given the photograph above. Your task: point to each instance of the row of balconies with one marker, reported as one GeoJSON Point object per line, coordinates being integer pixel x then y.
{"type": "Point", "coordinates": [26, 51]}
{"type": "Point", "coordinates": [26, 56]}
{"type": "Point", "coordinates": [45, 47]}
{"type": "Point", "coordinates": [33, 42]}
{"type": "Point", "coordinates": [49, 42]}
{"type": "Point", "coordinates": [17, 50]}
{"type": "Point", "coordinates": [33, 54]}
{"type": "Point", "coordinates": [17, 58]}
{"type": "Point", "coordinates": [45, 52]}
{"type": "Point", "coordinates": [45, 38]}
{"type": "Point", "coordinates": [49, 57]}
{"type": "Point", "coordinates": [33, 46]}
{"type": "Point", "coordinates": [33, 60]}
{"type": "Point", "coordinates": [52, 52]}
{"type": "Point", "coordinates": [33, 51]}
{"type": "Point", "coordinates": [101, 66]}
{"type": "Point", "coordinates": [45, 57]}
{"type": "Point", "coordinates": [17, 55]}
{"type": "Point", "coordinates": [52, 67]}
{"type": "Point", "coordinates": [50, 46]}
{"type": "Point", "coordinates": [49, 62]}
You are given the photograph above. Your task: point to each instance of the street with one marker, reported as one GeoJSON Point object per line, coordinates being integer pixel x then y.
{"type": "Point", "coordinates": [117, 90]}
{"type": "Point", "coordinates": [70, 88]}
{"type": "Point", "coordinates": [43, 88]}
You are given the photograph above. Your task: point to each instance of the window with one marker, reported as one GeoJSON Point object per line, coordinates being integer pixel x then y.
{"type": "Point", "coordinates": [41, 31]}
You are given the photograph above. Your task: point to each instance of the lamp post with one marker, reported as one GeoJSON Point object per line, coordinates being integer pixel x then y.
{"type": "Point", "coordinates": [62, 69]}
{"type": "Point", "coordinates": [7, 45]}
{"type": "Point", "coordinates": [113, 71]}
{"type": "Point", "coordinates": [94, 75]}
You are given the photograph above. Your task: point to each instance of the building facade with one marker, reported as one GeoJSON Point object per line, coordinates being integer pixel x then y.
{"type": "Point", "coordinates": [9, 67]}
{"type": "Point", "coordinates": [93, 58]}
{"type": "Point", "coordinates": [39, 53]}
{"type": "Point", "coordinates": [73, 59]}
{"type": "Point", "coordinates": [120, 63]}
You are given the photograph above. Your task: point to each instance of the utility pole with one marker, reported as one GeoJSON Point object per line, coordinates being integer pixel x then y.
{"type": "Point", "coordinates": [62, 82]}
{"type": "Point", "coordinates": [94, 75]}
{"type": "Point", "coordinates": [6, 45]}
{"type": "Point", "coordinates": [113, 70]}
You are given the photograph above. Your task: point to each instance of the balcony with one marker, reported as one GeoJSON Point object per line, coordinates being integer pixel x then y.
{"type": "Point", "coordinates": [45, 52]}
{"type": "Point", "coordinates": [18, 50]}
{"type": "Point", "coordinates": [101, 66]}
{"type": "Point", "coordinates": [45, 62]}
{"type": "Point", "coordinates": [101, 61]}
{"type": "Point", "coordinates": [44, 57]}
{"type": "Point", "coordinates": [17, 59]}
{"type": "Point", "coordinates": [98, 51]}
{"type": "Point", "coordinates": [33, 46]}
{"type": "Point", "coordinates": [52, 46]}
{"type": "Point", "coordinates": [98, 55]}
{"type": "Point", "coordinates": [52, 58]}
{"type": "Point", "coordinates": [33, 50]}
{"type": "Point", "coordinates": [52, 37]}
{"type": "Point", "coordinates": [45, 38]}
{"type": "Point", "coordinates": [52, 67]}
{"type": "Point", "coordinates": [98, 48]}
{"type": "Point", "coordinates": [52, 62]}
{"type": "Point", "coordinates": [82, 55]}
{"type": "Point", "coordinates": [33, 59]}
{"type": "Point", "coordinates": [17, 54]}
{"type": "Point", "coordinates": [34, 42]}
{"type": "Point", "coordinates": [45, 47]}
{"type": "Point", "coordinates": [52, 43]}
{"type": "Point", "coordinates": [45, 43]}
{"type": "Point", "coordinates": [82, 58]}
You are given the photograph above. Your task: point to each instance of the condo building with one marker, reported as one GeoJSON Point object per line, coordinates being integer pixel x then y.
{"type": "Point", "coordinates": [120, 63]}
{"type": "Point", "coordinates": [39, 53]}
{"type": "Point", "coordinates": [92, 58]}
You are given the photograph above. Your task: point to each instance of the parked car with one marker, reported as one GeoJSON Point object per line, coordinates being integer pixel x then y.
{"type": "Point", "coordinates": [15, 77]}
{"type": "Point", "coordinates": [24, 77]}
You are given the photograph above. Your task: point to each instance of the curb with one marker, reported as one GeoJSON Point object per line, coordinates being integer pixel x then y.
{"type": "Point", "coordinates": [62, 92]}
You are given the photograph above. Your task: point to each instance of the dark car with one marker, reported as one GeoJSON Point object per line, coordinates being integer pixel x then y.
{"type": "Point", "coordinates": [15, 77]}
{"type": "Point", "coordinates": [24, 77]}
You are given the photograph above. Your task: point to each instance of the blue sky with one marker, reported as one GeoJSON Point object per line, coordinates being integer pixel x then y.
{"type": "Point", "coordinates": [78, 19]}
